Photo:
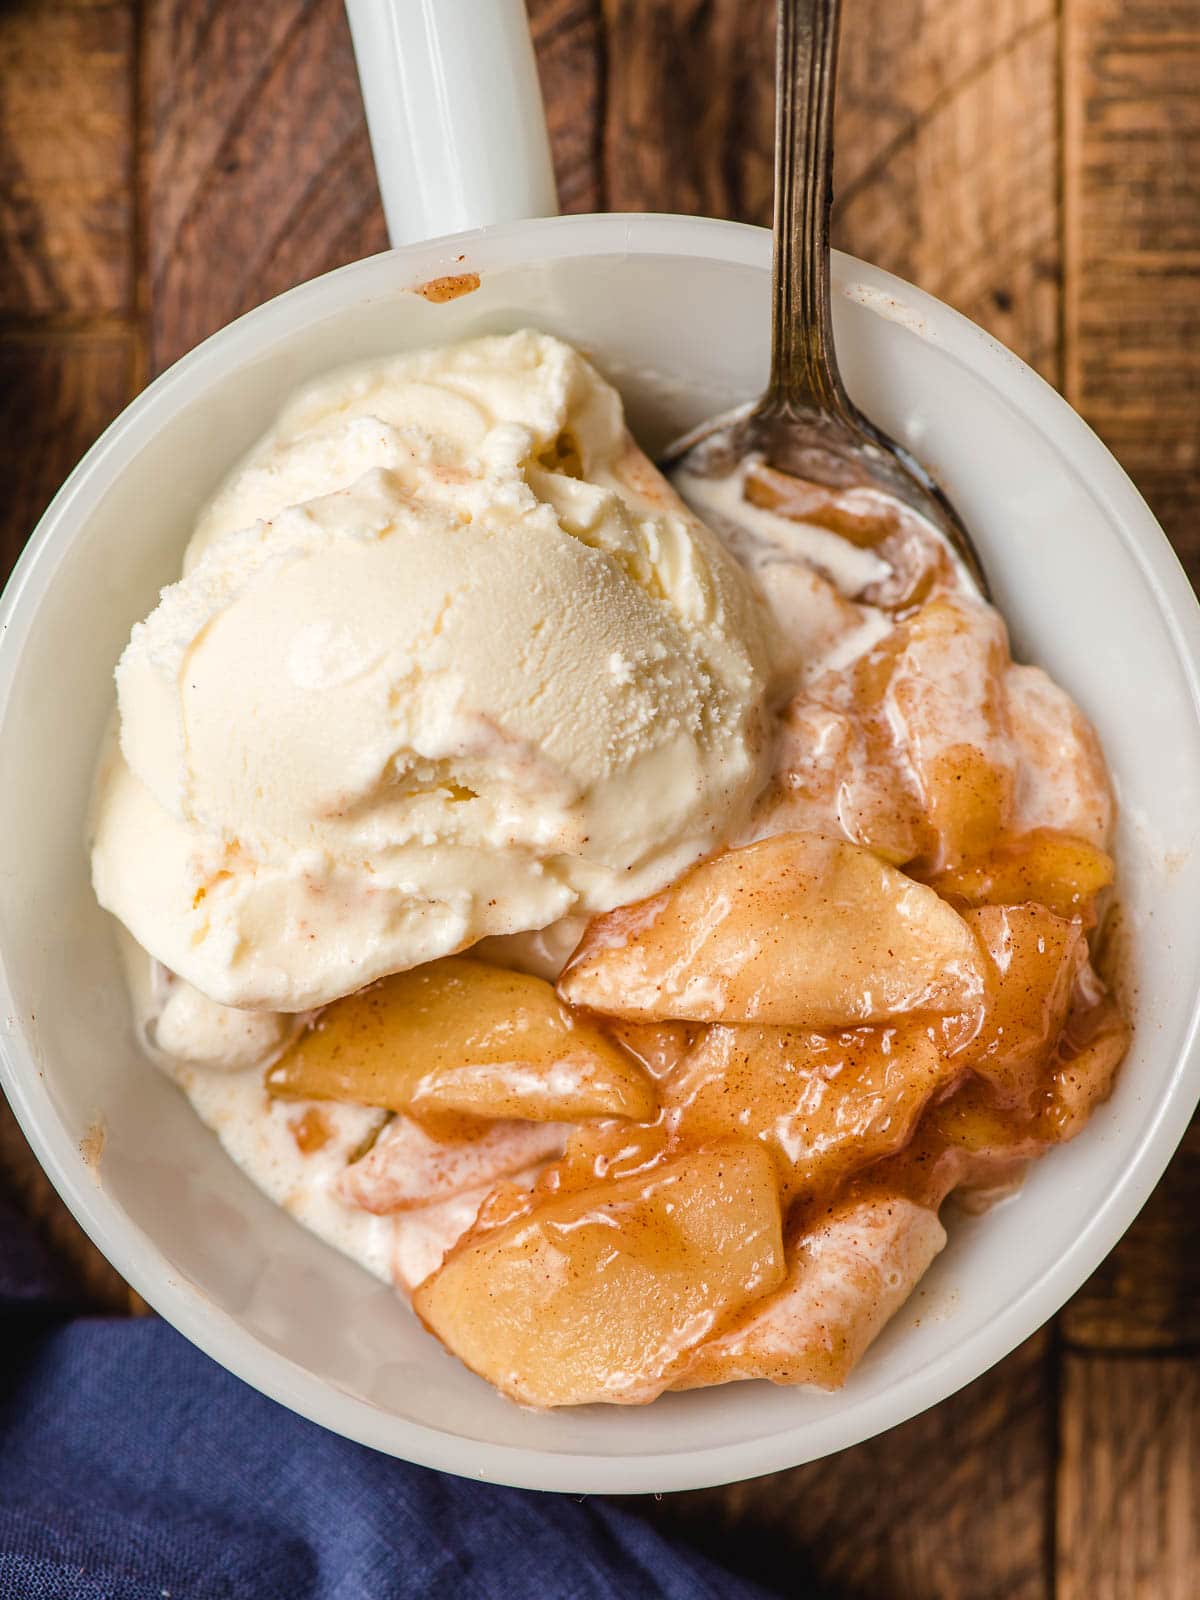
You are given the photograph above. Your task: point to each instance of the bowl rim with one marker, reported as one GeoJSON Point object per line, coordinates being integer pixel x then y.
{"type": "Point", "coordinates": [219, 1334]}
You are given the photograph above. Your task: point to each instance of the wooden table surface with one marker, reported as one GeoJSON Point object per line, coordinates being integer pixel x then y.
{"type": "Point", "coordinates": [165, 165]}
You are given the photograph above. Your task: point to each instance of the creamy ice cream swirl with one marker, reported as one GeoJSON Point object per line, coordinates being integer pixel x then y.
{"type": "Point", "coordinates": [448, 659]}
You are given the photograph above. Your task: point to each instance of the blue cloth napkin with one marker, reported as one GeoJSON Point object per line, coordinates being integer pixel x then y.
{"type": "Point", "coordinates": [134, 1468]}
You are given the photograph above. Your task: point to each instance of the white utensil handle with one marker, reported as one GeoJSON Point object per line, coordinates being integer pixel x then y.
{"type": "Point", "coordinates": [455, 113]}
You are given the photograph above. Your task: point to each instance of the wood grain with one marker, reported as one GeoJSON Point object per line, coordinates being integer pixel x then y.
{"type": "Point", "coordinates": [1146, 1296]}
{"type": "Point", "coordinates": [689, 112]}
{"type": "Point", "coordinates": [66, 159]}
{"type": "Point", "coordinates": [256, 166]}
{"type": "Point", "coordinates": [1131, 313]}
{"type": "Point", "coordinates": [68, 358]}
{"type": "Point", "coordinates": [255, 137]}
{"type": "Point", "coordinates": [1129, 1488]}
{"type": "Point", "coordinates": [952, 1504]}
{"type": "Point", "coordinates": [947, 166]}
{"type": "Point", "coordinates": [57, 393]}
{"type": "Point", "coordinates": [947, 140]}
{"type": "Point", "coordinates": [568, 37]}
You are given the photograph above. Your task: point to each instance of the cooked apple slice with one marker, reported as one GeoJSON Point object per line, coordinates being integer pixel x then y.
{"type": "Point", "coordinates": [461, 1035]}
{"type": "Point", "coordinates": [822, 1104]}
{"type": "Point", "coordinates": [987, 1137]}
{"type": "Point", "coordinates": [862, 516]}
{"type": "Point", "coordinates": [1035, 959]}
{"type": "Point", "coordinates": [409, 1165]}
{"type": "Point", "coordinates": [816, 747]}
{"type": "Point", "coordinates": [983, 1132]}
{"type": "Point", "coordinates": [837, 770]}
{"type": "Point", "coordinates": [1092, 1047]}
{"type": "Point", "coordinates": [946, 704]}
{"type": "Point", "coordinates": [1062, 779]}
{"type": "Point", "coordinates": [1056, 870]}
{"type": "Point", "coordinates": [599, 1295]}
{"type": "Point", "coordinates": [978, 1148]}
{"type": "Point", "coordinates": [915, 556]}
{"type": "Point", "coordinates": [659, 1046]}
{"type": "Point", "coordinates": [920, 565]}
{"type": "Point", "coordinates": [847, 1276]}
{"type": "Point", "coordinates": [967, 1146]}
{"type": "Point", "coordinates": [968, 798]}
{"type": "Point", "coordinates": [876, 808]}
{"type": "Point", "coordinates": [599, 1152]}
{"type": "Point", "coordinates": [424, 1236]}
{"type": "Point", "coordinates": [795, 930]}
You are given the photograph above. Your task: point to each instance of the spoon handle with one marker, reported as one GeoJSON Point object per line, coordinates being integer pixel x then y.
{"type": "Point", "coordinates": [804, 372]}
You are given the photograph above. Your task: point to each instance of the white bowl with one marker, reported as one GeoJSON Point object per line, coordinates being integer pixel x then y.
{"type": "Point", "coordinates": [675, 310]}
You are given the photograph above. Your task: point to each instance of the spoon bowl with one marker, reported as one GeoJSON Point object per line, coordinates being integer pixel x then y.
{"type": "Point", "coordinates": [805, 426]}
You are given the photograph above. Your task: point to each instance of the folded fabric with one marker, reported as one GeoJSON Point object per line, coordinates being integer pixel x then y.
{"type": "Point", "coordinates": [134, 1468]}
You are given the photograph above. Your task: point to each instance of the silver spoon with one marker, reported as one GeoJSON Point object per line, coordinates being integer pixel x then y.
{"type": "Point", "coordinates": [806, 425]}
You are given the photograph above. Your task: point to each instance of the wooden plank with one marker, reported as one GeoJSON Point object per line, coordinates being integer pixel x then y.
{"type": "Point", "coordinates": [1146, 1296]}
{"type": "Point", "coordinates": [66, 154]}
{"type": "Point", "coordinates": [256, 164]}
{"type": "Point", "coordinates": [955, 1503]}
{"type": "Point", "coordinates": [57, 392]}
{"type": "Point", "coordinates": [568, 39]}
{"type": "Point", "coordinates": [688, 126]}
{"type": "Point", "coordinates": [67, 350]}
{"type": "Point", "coordinates": [689, 111]}
{"type": "Point", "coordinates": [947, 140]}
{"type": "Point", "coordinates": [1129, 1480]}
{"type": "Point", "coordinates": [947, 168]}
{"type": "Point", "coordinates": [1131, 321]}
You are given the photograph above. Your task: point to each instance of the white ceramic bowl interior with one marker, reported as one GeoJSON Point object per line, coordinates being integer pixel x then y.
{"type": "Point", "coordinates": [675, 311]}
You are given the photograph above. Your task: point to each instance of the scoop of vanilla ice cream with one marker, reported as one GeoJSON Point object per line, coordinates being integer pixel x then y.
{"type": "Point", "coordinates": [449, 659]}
